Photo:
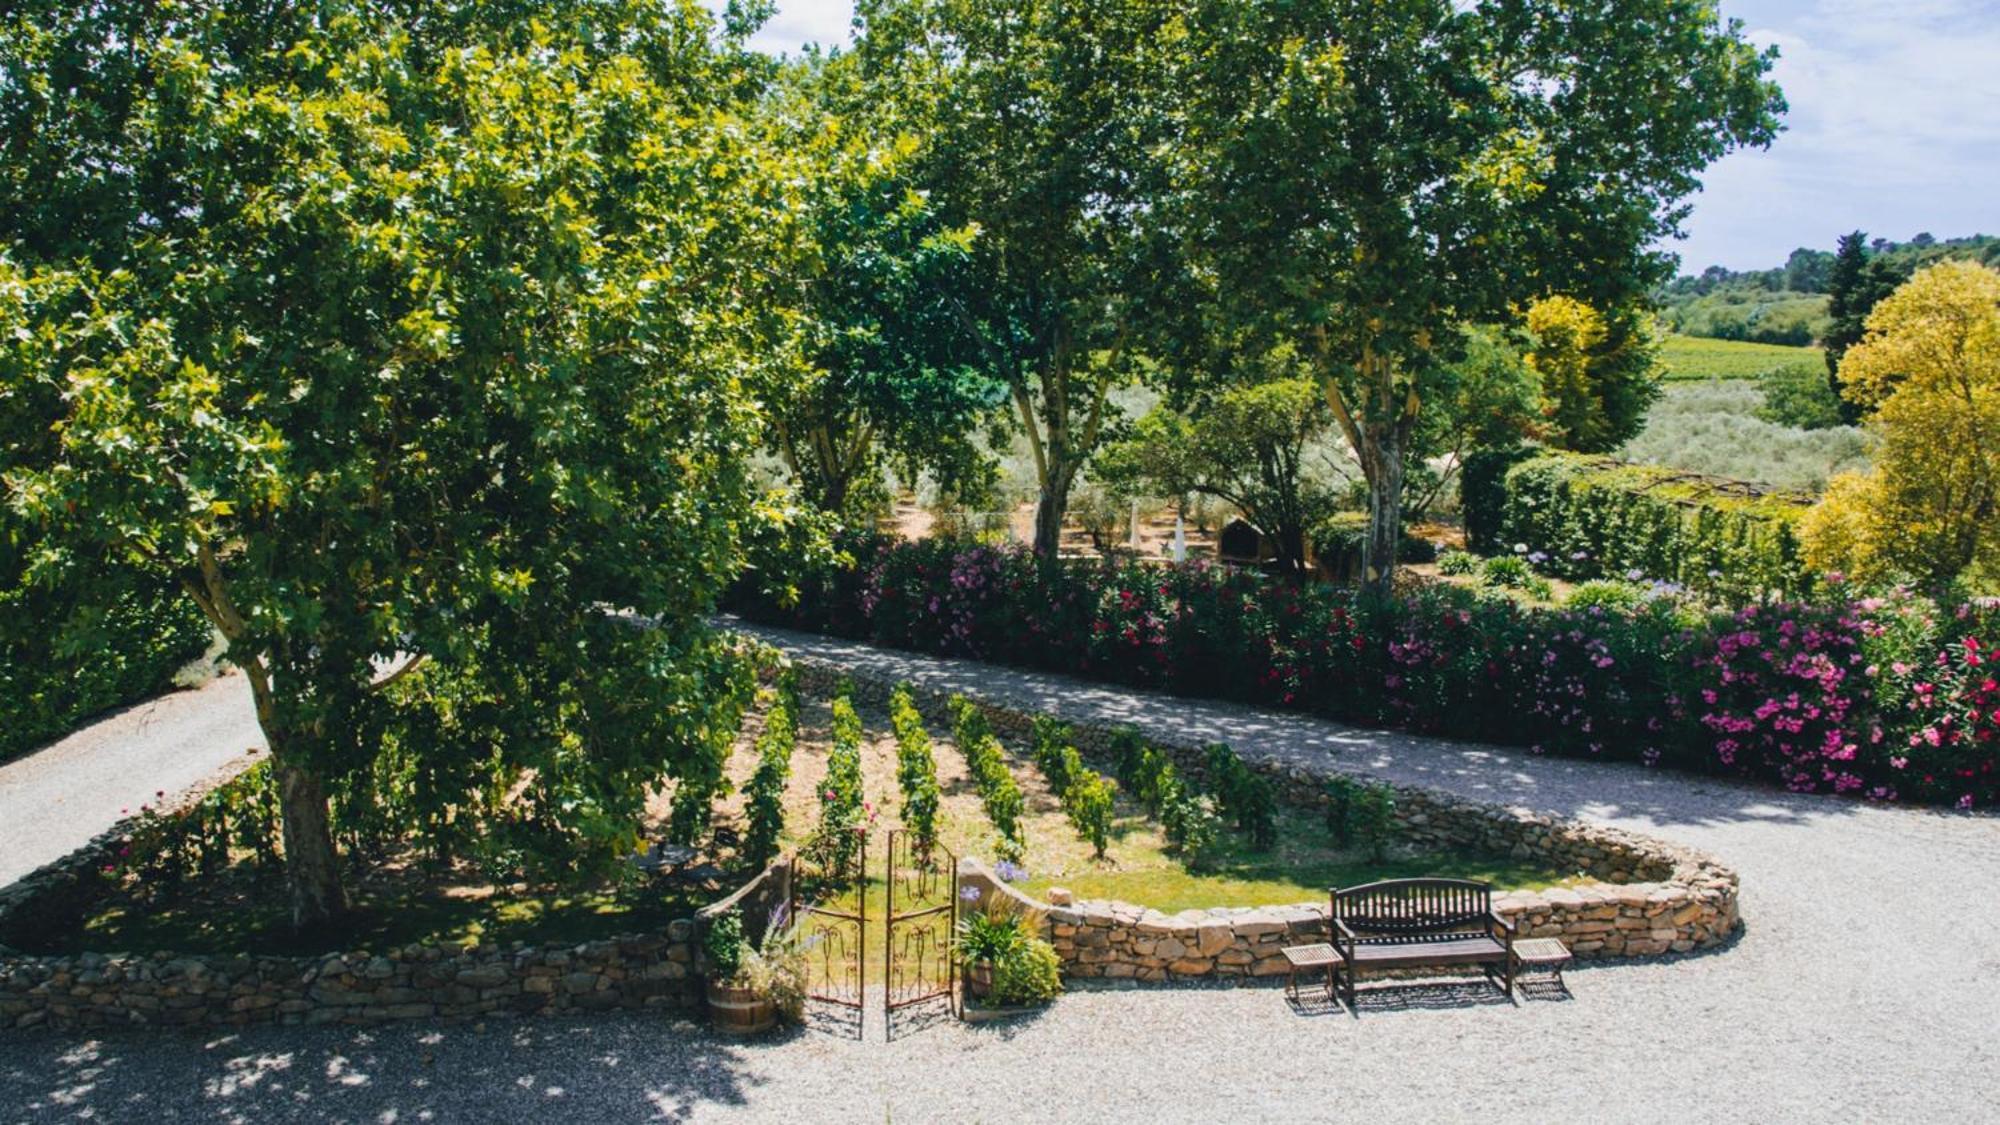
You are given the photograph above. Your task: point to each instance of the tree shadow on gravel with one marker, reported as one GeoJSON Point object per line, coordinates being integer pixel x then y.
{"type": "Point", "coordinates": [614, 1068]}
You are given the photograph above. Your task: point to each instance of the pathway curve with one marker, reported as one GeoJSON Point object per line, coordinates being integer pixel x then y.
{"type": "Point", "coordinates": [53, 800]}
{"type": "Point", "coordinates": [1866, 986]}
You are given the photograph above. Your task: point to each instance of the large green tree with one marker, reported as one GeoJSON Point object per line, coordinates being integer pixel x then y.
{"type": "Point", "coordinates": [888, 373]}
{"type": "Point", "coordinates": [1362, 177]}
{"type": "Point", "coordinates": [1037, 118]}
{"type": "Point", "coordinates": [406, 340]}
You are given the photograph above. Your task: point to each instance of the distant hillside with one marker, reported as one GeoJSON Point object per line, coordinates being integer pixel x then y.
{"type": "Point", "coordinates": [1787, 304]}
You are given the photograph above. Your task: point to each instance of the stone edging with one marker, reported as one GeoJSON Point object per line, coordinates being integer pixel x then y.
{"type": "Point", "coordinates": [90, 990]}
{"type": "Point", "coordinates": [1650, 896]}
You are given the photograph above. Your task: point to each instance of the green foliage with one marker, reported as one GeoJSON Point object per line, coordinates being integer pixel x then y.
{"type": "Point", "coordinates": [766, 794]}
{"type": "Point", "coordinates": [1482, 493]}
{"type": "Point", "coordinates": [1593, 517]}
{"type": "Point", "coordinates": [1506, 571]}
{"type": "Point", "coordinates": [1714, 428]}
{"type": "Point", "coordinates": [984, 759]}
{"type": "Point", "coordinates": [1360, 813]}
{"type": "Point", "coordinates": [1037, 129]}
{"type": "Point", "coordinates": [1776, 318]}
{"type": "Point", "coordinates": [1340, 541]}
{"type": "Point", "coordinates": [234, 823]}
{"type": "Point", "coordinates": [1248, 444]}
{"type": "Point", "coordinates": [1087, 798]}
{"type": "Point", "coordinates": [1051, 738]}
{"type": "Point", "coordinates": [725, 945]}
{"type": "Point", "coordinates": [1028, 973]}
{"type": "Point", "coordinates": [985, 935]}
{"type": "Point", "coordinates": [68, 651]}
{"type": "Point", "coordinates": [1190, 821]}
{"type": "Point", "coordinates": [1609, 594]}
{"type": "Point", "coordinates": [1798, 395]}
{"type": "Point", "coordinates": [1691, 358]}
{"type": "Point", "coordinates": [843, 820]}
{"type": "Point", "coordinates": [1243, 794]}
{"type": "Point", "coordinates": [1457, 563]}
{"type": "Point", "coordinates": [916, 769]}
{"type": "Point", "coordinates": [1598, 372]}
{"type": "Point", "coordinates": [1359, 181]}
{"type": "Point", "coordinates": [366, 385]}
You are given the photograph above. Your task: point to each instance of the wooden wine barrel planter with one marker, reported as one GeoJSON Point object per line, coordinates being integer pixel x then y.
{"type": "Point", "coordinates": [979, 979]}
{"type": "Point", "coordinates": [740, 1011]}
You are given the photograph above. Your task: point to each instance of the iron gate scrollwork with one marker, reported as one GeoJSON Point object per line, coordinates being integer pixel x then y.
{"type": "Point", "coordinates": [922, 919]}
{"type": "Point", "coordinates": [830, 904]}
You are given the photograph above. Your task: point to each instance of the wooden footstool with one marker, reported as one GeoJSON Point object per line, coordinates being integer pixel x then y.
{"type": "Point", "coordinates": [1312, 958]}
{"type": "Point", "coordinates": [1546, 954]}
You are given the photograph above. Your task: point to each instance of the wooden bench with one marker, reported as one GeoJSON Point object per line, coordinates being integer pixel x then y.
{"type": "Point", "coordinates": [1420, 923]}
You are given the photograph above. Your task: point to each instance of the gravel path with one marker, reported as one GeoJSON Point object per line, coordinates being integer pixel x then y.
{"type": "Point", "coordinates": [53, 800]}
{"type": "Point", "coordinates": [1867, 986]}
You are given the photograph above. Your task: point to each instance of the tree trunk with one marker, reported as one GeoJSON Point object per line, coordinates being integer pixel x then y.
{"type": "Point", "coordinates": [1051, 508]}
{"type": "Point", "coordinates": [311, 865]}
{"type": "Point", "coordinates": [1382, 464]}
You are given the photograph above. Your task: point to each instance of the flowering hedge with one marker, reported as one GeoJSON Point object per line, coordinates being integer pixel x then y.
{"type": "Point", "coordinates": [1883, 697]}
{"type": "Point", "coordinates": [1593, 517]}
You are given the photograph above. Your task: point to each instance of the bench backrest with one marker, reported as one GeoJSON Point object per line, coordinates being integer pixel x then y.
{"type": "Point", "coordinates": [1413, 907]}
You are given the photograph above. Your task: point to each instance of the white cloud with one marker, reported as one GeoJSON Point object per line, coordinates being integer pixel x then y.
{"type": "Point", "coordinates": [1894, 127]}
{"type": "Point", "coordinates": [799, 22]}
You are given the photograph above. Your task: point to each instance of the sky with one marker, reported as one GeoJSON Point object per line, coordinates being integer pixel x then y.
{"type": "Point", "coordinates": [1894, 126]}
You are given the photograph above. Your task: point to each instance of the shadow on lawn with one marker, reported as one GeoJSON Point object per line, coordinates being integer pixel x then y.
{"type": "Point", "coordinates": [612, 1068]}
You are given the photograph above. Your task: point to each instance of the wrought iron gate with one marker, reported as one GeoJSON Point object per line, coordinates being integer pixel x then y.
{"type": "Point", "coordinates": [922, 917]}
{"type": "Point", "coordinates": [830, 902]}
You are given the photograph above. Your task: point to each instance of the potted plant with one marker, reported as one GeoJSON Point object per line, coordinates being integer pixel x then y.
{"type": "Point", "coordinates": [983, 940]}
{"type": "Point", "coordinates": [751, 987]}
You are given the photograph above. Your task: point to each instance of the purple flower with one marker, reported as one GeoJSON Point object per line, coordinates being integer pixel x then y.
{"type": "Point", "coordinates": [1009, 871]}
{"type": "Point", "coordinates": [969, 893]}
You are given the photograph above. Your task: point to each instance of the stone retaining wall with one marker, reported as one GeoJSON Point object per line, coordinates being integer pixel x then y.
{"type": "Point", "coordinates": [89, 990]}
{"type": "Point", "coordinates": [1645, 896]}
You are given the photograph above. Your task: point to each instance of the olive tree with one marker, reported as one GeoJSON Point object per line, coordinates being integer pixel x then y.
{"type": "Point", "coordinates": [409, 342]}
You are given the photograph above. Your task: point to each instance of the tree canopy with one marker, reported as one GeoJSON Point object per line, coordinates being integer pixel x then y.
{"type": "Point", "coordinates": [408, 341]}
{"type": "Point", "coordinates": [1363, 178]}
{"type": "Point", "coordinates": [1928, 370]}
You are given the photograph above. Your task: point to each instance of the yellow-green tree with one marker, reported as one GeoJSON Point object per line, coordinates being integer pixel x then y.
{"type": "Point", "coordinates": [1597, 373]}
{"type": "Point", "coordinates": [1929, 368]}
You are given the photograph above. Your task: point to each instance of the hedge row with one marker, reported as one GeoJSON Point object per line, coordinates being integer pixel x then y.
{"type": "Point", "coordinates": [1874, 696]}
{"type": "Point", "coordinates": [64, 658]}
{"type": "Point", "coordinates": [1593, 517]}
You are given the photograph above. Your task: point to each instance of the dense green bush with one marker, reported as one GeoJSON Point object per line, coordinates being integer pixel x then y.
{"type": "Point", "coordinates": [64, 658]}
{"type": "Point", "coordinates": [1360, 813]}
{"type": "Point", "coordinates": [1482, 493]}
{"type": "Point", "coordinates": [843, 812]}
{"type": "Point", "coordinates": [998, 791]}
{"type": "Point", "coordinates": [1243, 795]}
{"type": "Point", "coordinates": [1030, 972]}
{"type": "Point", "coordinates": [916, 769]}
{"type": "Point", "coordinates": [1052, 739]}
{"type": "Point", "coordinates": [1591, 517]}
{"type": "Point", "coordinates": [774, 769]}
{"type": "Point", "coordinates": [1087, 799]}
{"type": "Point", "coordinates": [1338, 541]}
{"type": "Point", "coordinates": [1800, 395]}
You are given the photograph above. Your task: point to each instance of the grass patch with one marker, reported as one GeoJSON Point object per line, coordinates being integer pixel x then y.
{"type": "Point", "coordinates": [1695, 357]}
{"type": "Point", "coordinates": [1301, 868]}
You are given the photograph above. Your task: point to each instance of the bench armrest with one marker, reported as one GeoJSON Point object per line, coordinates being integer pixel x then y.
{"type": "Point", "coordinates": [1339, 935]}
{"type": "Point", "coordinates": [1501, 925]}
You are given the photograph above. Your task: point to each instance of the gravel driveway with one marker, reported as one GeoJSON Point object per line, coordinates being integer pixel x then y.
{"type": "Point", "coordinates": [53, 800]}
{"type": "Point", "coordinates": [1866, 986]}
